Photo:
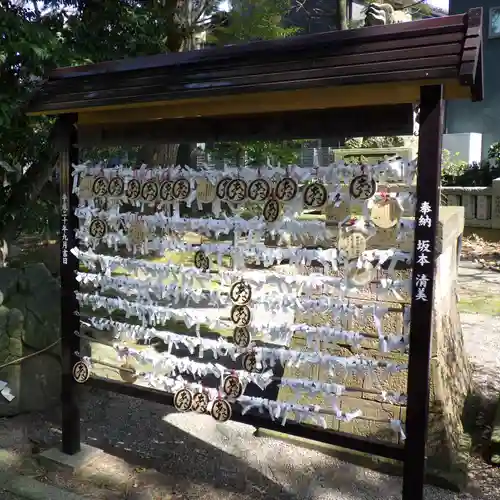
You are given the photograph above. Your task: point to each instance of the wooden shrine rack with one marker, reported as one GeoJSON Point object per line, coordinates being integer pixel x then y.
{"type": "Point", "coordinates": [352, 83]}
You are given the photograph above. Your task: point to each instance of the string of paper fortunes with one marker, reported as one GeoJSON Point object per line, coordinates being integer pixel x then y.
{"type": "Point", "coordinates": [156, 294]}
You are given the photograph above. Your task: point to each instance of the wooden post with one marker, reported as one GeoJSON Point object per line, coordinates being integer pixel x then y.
{"type": "Point", "coordinates": [70, 321]}
{"type": "Point", "coordinates": [426, 220]}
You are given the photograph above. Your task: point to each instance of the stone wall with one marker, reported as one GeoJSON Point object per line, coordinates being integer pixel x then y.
{"type": "Point", "coordinates": [450, 368]}
{"type": "Point", "coordinates": [29, 321]}
{"type": "Point", "coordinates": [481, 204]}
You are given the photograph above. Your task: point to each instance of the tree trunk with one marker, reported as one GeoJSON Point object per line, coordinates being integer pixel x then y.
{"type": "Point", "coordinates": [160, 154]}
{"type": "Point", "coordinates": [341, 15]}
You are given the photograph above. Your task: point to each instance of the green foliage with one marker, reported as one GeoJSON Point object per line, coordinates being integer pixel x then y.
{"type": "Point", "coordinates": [459, 173]}
{"type": "Point", "coordinates": [254, 20]}
{"type": "Point", "coordinates": [257, 153]}
{"type": "Point", "coordinates": [39, 36]}
{"type": "Point", "coordinates": [371, 143]}
{"type": "Point", "coordinates": [374, 142]}
{"type": "Point", "coordinates": [451, 168]}
{"type": "Point", "coordinates": [33, 42]}
{"type": "Point", "coordinates": [29, 47]}
{"type": "Point", "coordinates": [417, 8]}
{"type": "Point", "coordinates": [494, 152]}
{"type": "Point", "coordinates": [477, 174]}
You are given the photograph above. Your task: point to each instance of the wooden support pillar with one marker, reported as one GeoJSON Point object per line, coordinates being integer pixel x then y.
{"type": "Point", "coordinates": [70, 321]}
{"type": "Point", "coordinates": [426, 220]}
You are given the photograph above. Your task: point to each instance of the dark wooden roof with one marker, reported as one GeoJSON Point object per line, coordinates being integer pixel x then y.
{"type": "Point", "coordinates": [441, 49]}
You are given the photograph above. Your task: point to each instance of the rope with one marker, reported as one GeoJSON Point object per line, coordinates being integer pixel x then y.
{"type": "Point", "coordinates": [32, 355]}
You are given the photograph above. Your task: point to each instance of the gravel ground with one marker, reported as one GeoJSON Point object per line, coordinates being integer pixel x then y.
{"type": "Point", "coordinates": [200, 459]}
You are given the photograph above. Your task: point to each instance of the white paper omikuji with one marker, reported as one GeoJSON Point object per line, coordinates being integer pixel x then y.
{"type": "Point", "coordinates": [277, 409]}
{"type": "Point", "coordinates": [7, 393]}
{"type": "Point", "coordinates": [269, 357]}
{"type": "Point", "coordinates": [259, 253]}
{"type": "Point", "coordinates": [269, 331]}
{"type": "Point", "coordinates": [152, 292]}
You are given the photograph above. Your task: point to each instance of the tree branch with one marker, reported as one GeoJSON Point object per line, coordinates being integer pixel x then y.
{"type": "Point", "coordinates": [28, 189]}
{"type": "Point", "coordinates": [412, 5]}
{"type": "Point", "coordinates": [205, 6]}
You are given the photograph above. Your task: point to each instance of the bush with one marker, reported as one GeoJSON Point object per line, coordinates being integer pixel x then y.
{"type": "Point", "coordinates": [476, 174]}
{"type": "Point", "coordinates": [494, 152]}
{"type": "Point", "coordinates": [451, 168]}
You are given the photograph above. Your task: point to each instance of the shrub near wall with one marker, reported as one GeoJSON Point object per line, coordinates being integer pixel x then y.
{"type": "Point", "coordinates": [460, 173]}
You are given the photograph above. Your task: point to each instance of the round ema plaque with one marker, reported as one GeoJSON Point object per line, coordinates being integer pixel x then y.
{"type": "Point", "coordinates": [249, 363]}
{"type": "Point", "coordinates": [133, 189]}
{"type": "Point", "coordinates": [241, 336]}
{"type": "Point", "coordinates": [116, 186]}
{"type": "Point", "coordinates": [241, 293]}
{"type": "Point", "coordinates": [315, 195]}
{"type": "Point", "coordinates": [127, 373]}
{"type": "Point", "coordinates": [259, 190]}
{"type": "Point", "coordinates": [385, 213]}
{"type": "Point", "coordinates": [205, 191]}
{"type": "Point", "coordinates": [100, 186]}
{"type": "Point", "coordinates": [81, 372]}
{"type": "Point", "coordinates": [359, 276]}
{"type": "Point", "coordinates": [167, 191]}
{"type": "Point", "coordinates": [200, 402]}
{"type": "Point", "coordinates": [271, 211]}
{"type": "Point", "coordinates": [221, 410]}
{"type": "Point", "coordinates": [97, 228]}
{"type": "Point", "coordinates": [362, 187]}
{"type": "Point", "coordinates": [286, 189]}
{"type": "Point", "coordinates": [337, 214]}
{"type": "Point", "coordinates": [221, 188]}
{"type": "Point", "coordinates": [181, 189]}
{"type": "Point", "coordinates": [353, 244]}
{"type": "Point", "coordinates": [137, 233]}
{"type": "Point", "coordinates": [232, 387]}
{"type": "Point", "coordinates": [85, 186]}
{"type": "Point", "coordinates": [201, 260]}
{"type": "Point", "coordinates": [183, 399]}
{"type": "Point", "coordinates": [240, 315]}
{"type": "Point", "coordinates": [236, 191]}
{"type": "Point", "coordinates": [150, 190]}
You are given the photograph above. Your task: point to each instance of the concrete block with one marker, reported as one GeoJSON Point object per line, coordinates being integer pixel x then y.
{"type": "Point", "coordinates": [55, 458]}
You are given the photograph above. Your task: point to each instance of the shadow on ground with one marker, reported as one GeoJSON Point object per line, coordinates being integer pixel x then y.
{"type": "Point", "coordinates": [479, 410]}
{"type": "Point", "coordinates": [200, 459]}
{"type": "Point", "coordinates": [232, 465]}
{"type": "Point", "coordinates": [478, 416]}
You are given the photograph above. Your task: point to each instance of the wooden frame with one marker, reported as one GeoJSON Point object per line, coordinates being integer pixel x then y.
{"type": "Point", "coordinates": [355, 82]}
{"type": "Point", "coordinates": [342, 122]}
{"type": "Point", "coordinates": [328, 70]}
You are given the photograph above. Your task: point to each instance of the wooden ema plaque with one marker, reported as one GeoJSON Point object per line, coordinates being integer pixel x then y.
{"type": "Point", "coordinates": [352, 243]}
{"type": "Point", "coordinates": [385, 213]}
